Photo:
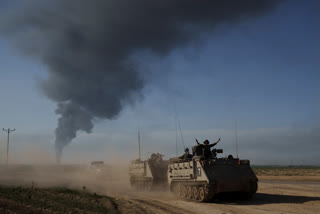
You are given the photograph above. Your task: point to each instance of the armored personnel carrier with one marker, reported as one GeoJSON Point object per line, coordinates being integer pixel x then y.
{"type": "Point", "coordinates": [205, 176]}
{"type": "Point", "coordinates": [101, 169]}
{"type": "Point", "coordinates": [149, 173]}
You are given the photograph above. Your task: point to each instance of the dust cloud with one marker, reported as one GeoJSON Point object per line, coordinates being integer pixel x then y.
{"type": "Point", "coordinates": [76, 176]}
{"type": "Point", "coordinates": [37, 168]}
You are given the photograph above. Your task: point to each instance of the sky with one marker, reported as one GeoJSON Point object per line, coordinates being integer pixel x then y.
{"type": "Point", "coordinates": [265, 71]}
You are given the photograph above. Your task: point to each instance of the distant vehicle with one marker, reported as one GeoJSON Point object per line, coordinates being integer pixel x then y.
{"type": "Point", "coordinates": [149, 173]}
{"type": "Point", "coordinates": [203, 178]}
{"type": "Point", "coordinates": [100, 169]}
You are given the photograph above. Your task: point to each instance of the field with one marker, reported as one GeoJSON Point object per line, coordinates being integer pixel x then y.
{"type": "Point", "coordinates": [286, 170]}
{"type": "Point", "coordinates": [74, 189]}
{"type": "Point", "coordinates": [53, 200]}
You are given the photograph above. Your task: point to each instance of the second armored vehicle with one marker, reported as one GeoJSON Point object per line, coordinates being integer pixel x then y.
{"type": "Point", "coordinates": [205, 176]}
{"type": "Point", "coordinates": [100, 170]}
{"type": "Point", "coordinates": [149, 173]}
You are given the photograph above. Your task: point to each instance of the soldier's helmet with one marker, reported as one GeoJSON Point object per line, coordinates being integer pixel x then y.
{"type": "Point", "coordinates": [206, 142]}
{"type": "Point", "coordinates": [186, 150]}
{"type": "Point", "coordinates": [156, 157]}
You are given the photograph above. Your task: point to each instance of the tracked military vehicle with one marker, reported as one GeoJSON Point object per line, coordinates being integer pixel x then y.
{"type": "Point", "coordinates": [100, 170]}
{"type": "Point", "coordinates": [149, 173]}
{"type": "Point", "coordinates": [205, 176]}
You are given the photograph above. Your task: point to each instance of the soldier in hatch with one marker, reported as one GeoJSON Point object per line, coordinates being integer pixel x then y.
{"type": "Point", "coordinates": [186, 155]}
{"type": "Point", "coordinates": [206, 147]}
{"type": "Point", "coordinates": [156, 158]}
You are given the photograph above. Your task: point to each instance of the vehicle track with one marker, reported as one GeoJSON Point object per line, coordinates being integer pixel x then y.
{"type": "Point", "coordinates": [271, 198]}
{"type": "Point", "coordinates": [162, 207]}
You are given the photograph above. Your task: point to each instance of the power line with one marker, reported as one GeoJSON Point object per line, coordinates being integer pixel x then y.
{"type": "Point", "coordinates": [9, 131]}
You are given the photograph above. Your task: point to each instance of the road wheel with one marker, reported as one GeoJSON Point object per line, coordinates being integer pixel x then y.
{"type": "Point", "coordinates": [253, 190]}
{"type": "Point", "coordinates": [180, 191]}
{"type": "Point", "coordinates": [184, 191]}
{"type": "Point", "coordinates": [176, 190]}
{"type": "Point", "coordinates": [195, 193]}
{"type": "Point", "coordinates": [202, 194]}
{"type": "Point", "coordinates": [189, 192]}
{"type": "Point", "coordinates": [253, 187]}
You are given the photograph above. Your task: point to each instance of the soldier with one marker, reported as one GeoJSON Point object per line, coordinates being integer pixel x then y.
{"type": "Point", "coordinates": [156, 157]}
{"type": "Point", "coordinates": [186, 155]}
{"type": "Point", "coordinates": [206, 147]}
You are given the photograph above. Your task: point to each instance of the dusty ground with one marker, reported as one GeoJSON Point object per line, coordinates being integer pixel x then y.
{"type": "Point", "coordinates": [281, 190]}
{"type": "Point", "coordinates": [276, 193]}
{"type": "Point", "coordinates": [272, 197]}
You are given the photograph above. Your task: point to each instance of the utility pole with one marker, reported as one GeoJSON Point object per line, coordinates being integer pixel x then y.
{"type": "Point", "coordinates": [9, 131]}
{"type": "Point", "coordinates": [235, 124]}
{"type": "Point", "coordinates": [139, 144]}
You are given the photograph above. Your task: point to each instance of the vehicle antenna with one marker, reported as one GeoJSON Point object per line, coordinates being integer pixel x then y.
{"type": "Point", "coordinates": [139, 144]}
{"type": "Point", "coordinates": [184, 147]}
{"type": "Point", "coordinates": [235, 124]}
{"type": "Point", "coordinates": [175, 121]}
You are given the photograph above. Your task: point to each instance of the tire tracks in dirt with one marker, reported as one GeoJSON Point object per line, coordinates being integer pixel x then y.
{"type": "Point", "coordinates": [271, 198]}
{"type": "Point", "coordinates": [160, 207]}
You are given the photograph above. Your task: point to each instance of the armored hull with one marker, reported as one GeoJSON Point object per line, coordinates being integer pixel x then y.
{"type": "Point", "coordinates": [99, 170]}
{"type": "Point", "coordinates": [203, 179]}
{"type": "Point", "coordinates": [148, 174]}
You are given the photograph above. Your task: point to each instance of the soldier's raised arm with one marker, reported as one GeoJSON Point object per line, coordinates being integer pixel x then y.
{"type": "Point", "coordinates": [211, 145]}
{"type": "Point", "coordinates": [197, 141]}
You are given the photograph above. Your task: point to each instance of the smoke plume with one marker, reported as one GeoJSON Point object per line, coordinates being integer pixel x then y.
{"type": "Point", "coordinates": [88, 46]}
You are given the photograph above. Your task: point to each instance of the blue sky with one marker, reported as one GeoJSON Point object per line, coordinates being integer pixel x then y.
{"type": "Point", "coordinates": [270, 65]}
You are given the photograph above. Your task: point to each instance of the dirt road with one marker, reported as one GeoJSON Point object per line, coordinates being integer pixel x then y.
{"type": "Point", "coordinates": [272, 197]}
{"type": "Point", "coordinates": [276, 194]}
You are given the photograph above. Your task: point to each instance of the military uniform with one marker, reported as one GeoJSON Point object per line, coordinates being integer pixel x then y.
{"type": "Point", "coordinates": [206, 147]}
{"type": "Point", "coordinates": [186, 157]}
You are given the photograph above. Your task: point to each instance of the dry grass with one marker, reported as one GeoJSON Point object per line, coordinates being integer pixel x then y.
{"type": "Point", "coordinates": [53, 200]}
{"type": "Point", "coordinates": [286, 170]}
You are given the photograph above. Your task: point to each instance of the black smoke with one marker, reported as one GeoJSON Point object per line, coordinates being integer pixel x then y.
{"type": "Point", "coordinates": [88, 45]}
